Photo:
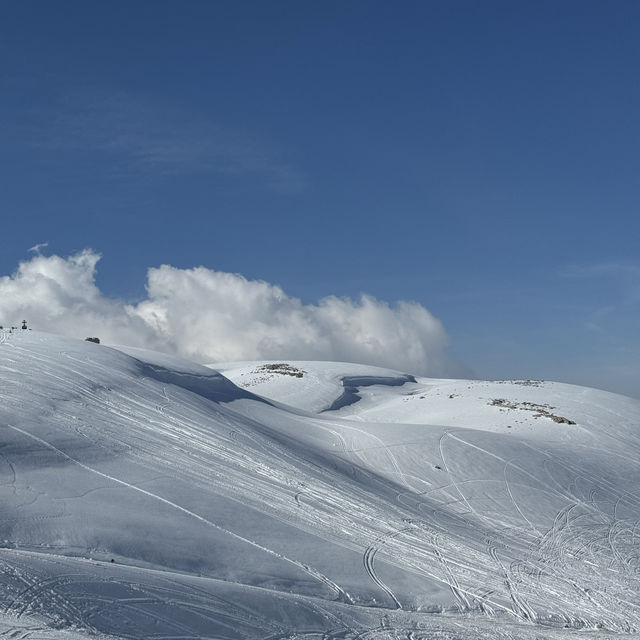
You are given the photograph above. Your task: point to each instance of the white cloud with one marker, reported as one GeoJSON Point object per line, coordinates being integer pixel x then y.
{"type": "Point", "coordinates": [37, 248]}
{"type": "Point", "coordinates": [211, 316]}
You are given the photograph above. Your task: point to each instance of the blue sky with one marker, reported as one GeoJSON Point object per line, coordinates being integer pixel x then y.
{"type": "Point", "coordinates": [480, 158]}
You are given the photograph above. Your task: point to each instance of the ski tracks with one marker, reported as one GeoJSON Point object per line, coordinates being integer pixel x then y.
{"type": "Point", "coordinates": [368, 561]}
{"type": "Point", "coordinates": [341, 595]}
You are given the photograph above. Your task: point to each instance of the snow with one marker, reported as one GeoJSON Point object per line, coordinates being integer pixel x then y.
{"type": "Point", "coordinates": [143, 496]}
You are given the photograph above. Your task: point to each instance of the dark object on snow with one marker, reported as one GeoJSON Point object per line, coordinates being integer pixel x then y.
{"type": "Point", "coordinates": [96, 340]}
{"type": "Point", "coordinates": [24, 324]}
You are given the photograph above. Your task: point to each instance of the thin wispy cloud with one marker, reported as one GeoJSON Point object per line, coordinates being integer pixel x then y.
{"type": "Point", "coordinates": [617, 270]}
{"type": "Point", "coordinates": [619, 286]}
{"type": "Point", "coordinates": [625, 275]}
{"type": "Point", "coordinates": [599, 318]}
{"type": "Point", "coordinates": [37, 248]}
{"type": "Point", "coordinates": [160, 139]}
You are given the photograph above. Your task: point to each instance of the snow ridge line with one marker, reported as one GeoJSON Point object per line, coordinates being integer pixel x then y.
{"type": "Point", "coordinates": [342, 596]}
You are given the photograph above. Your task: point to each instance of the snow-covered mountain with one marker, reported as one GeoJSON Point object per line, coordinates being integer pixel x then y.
{"type": "Point", "coordinates": [143, 496]}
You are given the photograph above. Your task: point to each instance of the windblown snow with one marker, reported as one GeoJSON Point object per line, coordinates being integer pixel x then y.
{"type": "Point", "coordinates": [145, 496]}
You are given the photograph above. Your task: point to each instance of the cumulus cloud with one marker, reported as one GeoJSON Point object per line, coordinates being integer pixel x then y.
{"type": "Point", "coordinates": [211, 316]}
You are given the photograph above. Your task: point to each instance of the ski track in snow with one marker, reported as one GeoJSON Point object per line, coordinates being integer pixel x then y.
{"type": "Point", "coordinates": [530, 538]}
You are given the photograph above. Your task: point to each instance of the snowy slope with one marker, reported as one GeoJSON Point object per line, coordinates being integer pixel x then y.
{"type": "Point", "coordinates": [310, 386]}
{"type": "Point", "coordinates": [148, 497]}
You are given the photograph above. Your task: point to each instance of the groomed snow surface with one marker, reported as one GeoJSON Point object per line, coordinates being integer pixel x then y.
{"type": "Point", "coordinates": [143, 496]}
